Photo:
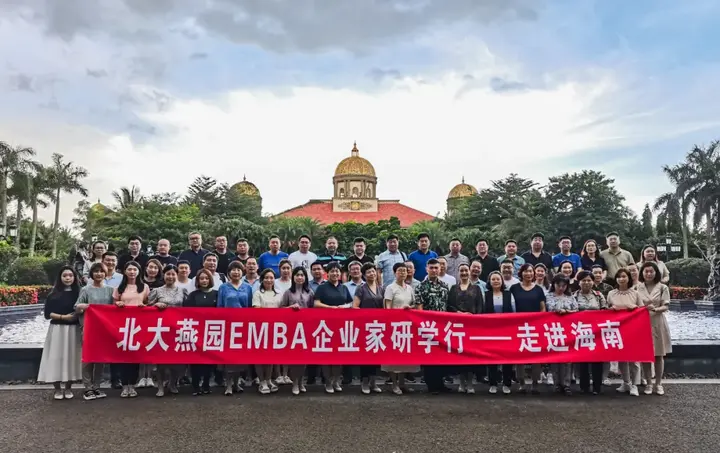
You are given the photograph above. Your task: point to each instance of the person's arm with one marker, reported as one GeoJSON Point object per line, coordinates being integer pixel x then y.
{"type": "Point", "coordinates": [256, 300]}
{"type": "Point", "coordinates": [152, 298]}
{"type": "Point", "coordinates": [665, 279]}
{"type": "Point", "coordinates": [356, 300]}
{"type": "Point", "coordinates": [82, 303]}
{"type": "Point", "coordinates": [479, 301]}
{"type": "Point", "coordinates": [452, 302]}
{"type": "Point", "coordinates": [665, 298]}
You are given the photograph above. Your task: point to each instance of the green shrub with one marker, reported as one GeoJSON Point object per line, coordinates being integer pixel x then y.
{"type": "Point", "coordinates": [8, 254]}
{"type": "Point", "coordinates": [28, 271]}
{"type": "Point", "coordinates": [689, 272]}
{"type": "Point", "coordinates": [52, 267]}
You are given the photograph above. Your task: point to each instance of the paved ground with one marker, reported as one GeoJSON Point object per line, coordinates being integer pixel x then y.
{"type": "Point", "coordinates": [687, 419]}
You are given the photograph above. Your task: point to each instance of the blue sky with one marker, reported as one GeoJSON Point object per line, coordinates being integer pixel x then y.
{"type": "Point", "coordinates": [474, 88]}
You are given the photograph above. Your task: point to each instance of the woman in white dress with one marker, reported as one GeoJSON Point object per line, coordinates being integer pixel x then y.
{"type": "Point", "coordinates": [61, 358]}
{"type": "Point", "coordinates": [266, 297]}
{"type": "Point", "coordinates": [399, 295]}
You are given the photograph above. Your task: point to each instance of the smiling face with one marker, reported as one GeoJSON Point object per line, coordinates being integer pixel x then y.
{"type": "Point", "coordinates": [67, 277]}
{"type": "Point", "coordinates": [210, 263]}
{"type": "Point", "coordinates": [152, 270]}
{"type": "Point", "coordinates": [235, 274]}
{"type": "Point", "coordinates": [268, 281]}
{"type": "Point", "coordinates": [170, 277]}
{"type": "Point", "coordinates": [110, 263]}
{"type": "Point", "coordinates": [496, 281]}
{"type": "Point", "coordinates": [464, 272]}
{"type": "Point", "coordinates": [203, 280]}
{"type": "Point", "coordinates": [475, 269]}
{"type": "Point", "coordinates": [354, 271]}
{"type": "Point", "coordinates": [99, 275]}
{"type": "Point", "coordinates": [285, 271]}
{"type": "Point", "coordinates": [304, 245]}
{"type": "Point", "coordinates": [540, 274]}
{"type": "Point", "coordinates": [299, 278]}
{"type": "Point", "coordinates": [566, 269]}
{"type": "Point", "coordinates": [528, 274]}
{"type": "Point", "coordinates": [649, 254]}
{"type": "Point", "coordinates": [506, 269]}
{"type": "Point", "coordinates": [333, 275]}
{"type": "Point", "coordinates": [591, 247]}
{"type": "Point", "coordinates": [370, 275]}
{"type": "Point", "coordinates": [163, 247]}
{"type": "Point", "coordinates": [99, 249]}
{"type": "Point", "coordinates": [597, 274]}
{"type": "Point", "coordinates": [131, 272]}
{"type": "Point", "coordinates": [649, 274]}
{"type": "Point", "coordinates": [184, 271]}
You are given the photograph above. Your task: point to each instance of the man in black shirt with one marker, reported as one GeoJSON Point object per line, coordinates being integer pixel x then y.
{"type": "Point", "coordinates": [195, 254]}
{"type": "Point", "coordinates": [536, 254]}
{"type": "Point", "coordinates": [331, 254]}
{"type": "Point", "coordinates": [163, 253]}
{"type": "Point", "coordinates": [135, 253]}
{"type": "Point", "coordinates": [489, 262]}
{"type": "Point", "coordinates": [224, 255]}
{"type": "Point", "coordinates": [359, 256]}
{"type": "Point", "coordinates": [242, 251]}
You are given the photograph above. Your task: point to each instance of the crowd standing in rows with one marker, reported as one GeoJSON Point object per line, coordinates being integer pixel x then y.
{"type": "Point", "coordinates": [535, 281]}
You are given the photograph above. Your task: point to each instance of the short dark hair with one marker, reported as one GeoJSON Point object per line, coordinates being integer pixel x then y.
{"type": "Point", "coordinates": [109, 254]}
{"type": "Point", "coordinates": [397, 266]}
{"type": "Point", "coordinates": [432, 261]}
{"type": "Point", "coordinates": [456, 239]}
{"type": "Point", "coordinates": [597, 266]}
{"type": "Point", "coordinates": [506, 261]}
{"type": "Point", "coordinates": [359, 239]}
{"type": "Point", "coordinates": [316, 263]}
{"type": "Point", "coordinates": [305, 236]}
{"type": "Point", "coordinates": [583, 274]}
{"type": "Point", "coordinates": [333, 265]}
{"type": "Point", "coordinates": [210, 254]}
{"type": "Point", "coordinates": [562, 238]}
{"type": "Point", "coordinates": [274, 236]}
{"type": "Point", "coordinates": [181, 262]}
{"type": "Point", "coordinates": [241, 240]}
{"type": "Point", "coordinates": [537, 235]}
{"type": "Point", "coordinates": [423, 235]}
{"type": "Point", "coordinates": [283, 262]}
{"type": "Point", "coordinates": [97, 266]}
{"type": "Point", "coordinates": [558, 279]}
{"type": "Point", "coordinates": [481, 240]}
{"type": "Point", "coordinates": [525, 267]}
{"type": "Point", "coordinates": [511, 241]}
{"type": "Point", "coordinates": [134, 238]}
{"type": "Point", "coordinates": [391, 237]}
{"type": "Point", "coordinates": [366, 267]}
{"type": "Point", "coordinates": [235, 265]}
{"type": "Point", "coordinates": [655, 267]}
{"type": "Point", "coordinates": [612, 233]}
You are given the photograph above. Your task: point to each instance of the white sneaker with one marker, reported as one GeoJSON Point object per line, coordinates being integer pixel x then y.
{"type": "Point", "coordinates": [228, 389]}
{"type": "Point", "coordinates": [295, 389]}
{"type": "Point", "coordinates": [606, 382]}
{"type": "Point", "coordinates": [648, 389]}
{"type": "Point", "coordinates": [149, 382]}
{"type": "Point", "coordinates": [365, 388]}
{"type": "Point", "coordinates": [543, 378]}
{"type": "Point", "coordinates": [374, 387]}
{"type": "Point", "coordinates": [69, 394]}
{"type": "Point", "coordinates": [160, 393]}
{"type": "Point", "coordinates": [634, 390]}
{"type": "Point", "coordinates": [397, 390]}
{"type": "Point", "coordinates": [142, 383]}
{"type": "Point", "coordinates": [624, 388]}
{"type": "Point", "coordinates": [461, 388]}
{"type": "Point", "coordinates": [644, 382]}
{"type": "Point", "coordinates": [124, 394]}
{"type": "Point", "coordinates": [659, 390]}
{"type": "Point", "coordinates": [280, 380]}
{"type": "Point", "coordinates": [302, 388]}
{"type": "Point", "coordinates": [550, 380]}
{"type": "Point", "coordinates": [506, 390]}
{"type": "Point", "coordinates": [337, 387]}
{"type": "Point", "coordinates": [59, 395]}
{"type": "Point", "coordinates": [264, 388]}
{"type": "Point", "coordinates": [329, 388]}
{"type": "Point", "coordinates": [273, 387]}
{"type": "Point", "coordinates": [493, 390]}
{"type": "Point", "coordinates": [471, 390]}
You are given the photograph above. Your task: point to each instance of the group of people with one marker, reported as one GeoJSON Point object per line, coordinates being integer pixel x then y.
{"type": "Point", "coordinates": [535, 281]}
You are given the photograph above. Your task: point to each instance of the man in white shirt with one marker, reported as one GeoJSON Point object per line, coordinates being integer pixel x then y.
{"type": "Point", "coordinates": [303, 257]}
{"type": "Point", "coordinates": [210, 261]}
{"type": "Point", "coordinates": [183, 280]}
{"type": "Point", "coordinates": [444, 276]}
{"type": "Point", "coordinates": [507, 268]}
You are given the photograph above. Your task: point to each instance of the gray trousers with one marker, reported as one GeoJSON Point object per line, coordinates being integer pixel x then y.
{"type": "Point", "coordinates": [630, 372]}
{"type": "Point", "coordinates": [561, 373]}
{"type": "Point", "coordinates": [92, 375]}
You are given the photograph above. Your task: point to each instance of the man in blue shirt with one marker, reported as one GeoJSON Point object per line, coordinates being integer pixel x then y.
{"type": "Point", "coordinates": [317, 272]}
{"type": "Point", "coordinates": [511, 254]}
{"type": "Point", "coordinates": [422, 255]}
{"type": "Point", "coordinates": [271, 258]}
{"type": "Point", "coordinates": [331, 254]}
{"type": "Point", "coordinates": [565, 244]}
{"type": "Point", "coordinates": [387, 259]}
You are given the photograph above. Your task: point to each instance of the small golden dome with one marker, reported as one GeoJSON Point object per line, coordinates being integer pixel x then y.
{"type": "Point", "coordinates": [462, 190]}
{"type": "Point", "coordinates": [355, 165]}
{"type": "Point", "coordinates": [245, 187]}
{"type": "Point", "coordinates": [99, 207]}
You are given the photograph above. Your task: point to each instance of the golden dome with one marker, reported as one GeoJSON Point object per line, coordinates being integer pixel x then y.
{"type": "Point", "coordinates": [462, 190]}
{"type": "Point", "coordinates": [355, 165]}
{"type": "Point", "coordinates": [245, 187]}
{"type": "Point", "coordinates": [99, 208]}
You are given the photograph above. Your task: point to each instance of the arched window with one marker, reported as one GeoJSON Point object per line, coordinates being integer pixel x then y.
{"type": "Point", "coordinates": [342, 193]}
{"type": "Point", "coordinates": [368, 193]}
{"type": "Point", "coordinates": [355, 192]}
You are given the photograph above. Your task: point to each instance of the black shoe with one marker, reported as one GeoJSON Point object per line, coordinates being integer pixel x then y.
{"type": "Point", "coordinates": [206, 391]}
{"type": "Point", "coordinates": [117, 385]}
{"type": "Point", "coordinates": [448, 379]}
{"type": "Point", "coordinates": [410, 379]}
{"type": "Point", "coordinates": [185, 380]}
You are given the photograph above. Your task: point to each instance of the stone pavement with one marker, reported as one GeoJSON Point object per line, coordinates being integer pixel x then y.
{"type": "Point", "coordinates": [687, 419]}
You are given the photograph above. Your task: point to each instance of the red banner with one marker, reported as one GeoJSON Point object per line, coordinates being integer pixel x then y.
{"type": "Point", "coordinates": [359, 337]}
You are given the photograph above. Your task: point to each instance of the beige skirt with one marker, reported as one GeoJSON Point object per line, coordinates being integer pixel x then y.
{"type": "Point", "coordinates": [62, 355]}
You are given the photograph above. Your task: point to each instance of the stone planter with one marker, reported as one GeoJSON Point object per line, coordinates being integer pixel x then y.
{"type": "Point", "coordinates": [707, 305]}
{"type": "Point", "coordinates": [22, 309]}
{"type": "Point", "coordinates": [682, 305]}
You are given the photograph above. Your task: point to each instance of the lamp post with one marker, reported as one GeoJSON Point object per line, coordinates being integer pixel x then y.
{"type": "Point", "coordinates": [669, 247]}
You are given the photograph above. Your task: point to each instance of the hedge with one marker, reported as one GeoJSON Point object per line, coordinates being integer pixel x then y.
{"type": "Point", "coordinates": [11, 296]}
{"type": "Point", "coordinates": [27, 271]}
{"type": "Point", "coordinates": [689, 272]}
{"type": "Point", "coordinates": [687, 293]}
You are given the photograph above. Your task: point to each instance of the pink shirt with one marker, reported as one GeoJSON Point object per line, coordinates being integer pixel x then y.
{"type": "Point", "coordinates": [130, 296]}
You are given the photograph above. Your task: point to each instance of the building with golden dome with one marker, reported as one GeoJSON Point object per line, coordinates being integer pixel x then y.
{"type": "Point", "coordinates": [355, 198]}
{"type": "Point", "coordinates": [246, 194]}
{"type": "Point", "coordinates": [246, 188]}
{"type": "Point", "coordinates": [459, 195]}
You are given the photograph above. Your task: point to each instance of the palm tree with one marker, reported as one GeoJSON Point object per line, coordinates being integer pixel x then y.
{"type": "Point", "coordinates": [64, 177]}
{"type": "Point", "coordinates": [41, 195]}
{"type": "Point", "coordinates": [12, 158]}
{"type": "Point", "coordinates": [20, 192]}
{"type": "Point", "coordinates": [127, 197]}
{"type": "Point", "coordinates": [698, 182]}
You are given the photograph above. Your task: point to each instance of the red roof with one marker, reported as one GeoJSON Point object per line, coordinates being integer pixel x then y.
{"type": "Point", "coordinates": [322, 211]}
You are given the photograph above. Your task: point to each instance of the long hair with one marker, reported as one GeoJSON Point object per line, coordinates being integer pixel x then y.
{"type": "Point", "coordinates": [138, 280]}
{"type": "Point", "coordinates": [502, 281]}
{"type": "Point", "coordinates": [305, 286]}
{"type": "Point", "coordinates": [59, 286]}
{"type": "Point", "coordinates": [559, 279]}
{"type": "Point", "coordinates": [262, 280]}
{"type": "Point", "coordinates": [584, 249]}
{"type": "Point", "coordinates": [546, 279]}
{"type": "Point", "coordinates": [642, 253]}
{"type": "Point", "coordinates": [159, 265]}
